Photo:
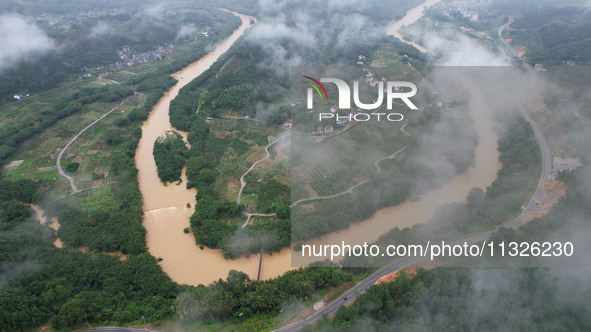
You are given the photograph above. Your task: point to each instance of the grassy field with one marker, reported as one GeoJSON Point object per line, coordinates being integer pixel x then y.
{"type": "Point", "coordinates": [37, 155]}
{"type": "Point", "coordinates": [90, 150]}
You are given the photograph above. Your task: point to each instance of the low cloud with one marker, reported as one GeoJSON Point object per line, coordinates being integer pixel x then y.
{"type": "Point", "coordinates": [21, 40]}
{"type": "Point", "coordinates": [155, 11]}
{"type": "Point", "coordinates": [186, 30]}
{"type": "Point", "coordinates": [463, 51]}
{"type": "Point", "coordinates": [99, 29]}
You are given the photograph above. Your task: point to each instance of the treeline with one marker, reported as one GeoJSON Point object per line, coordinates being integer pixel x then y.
{"type": "Point", "coordinates": [468, 300]}
{"type": "Point", "coordinates": [207, 227]}
{"type": "Point", "coordinates": [227, 84]}
{"type": "Point", "coordinates": [553, 35]}
{"type": "Point", "coordinates": [114, 222]}
{"type": "Point", "coordinates": [449, 139]}
{"type": "Point", "coordinates": [33, 123]}
{"type": "Point", "coordinates": [238, 297]}
{"type": "Point", "coordinates": [85, 49]}
{"type": "Point", "coordinates": [170, 155]}
{"type": "Point", "coordinates": [477, 299]}
{"type": "Point", "coordinates": [211, 220]}
{"type": "Point", "coordinates": [516, 180]}
{"type": "Point", "coordinates": [235, 82]}
{"type": "Point", "coordinates": [211, 228]}
{"type": "Point", "coordinates": [64, 287]}
{"type": "Point", "coordinates": [567, 221]}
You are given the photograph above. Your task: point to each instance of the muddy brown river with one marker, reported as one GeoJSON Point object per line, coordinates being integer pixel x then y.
{"type": "Point", "coordinates": [411, 16]}
{"type": "Point", "coordinates": [165, 207]}
{"type": "Point", "coordinates": [409, 213]}
{"type": "Point", "coordinates": [166, 213]}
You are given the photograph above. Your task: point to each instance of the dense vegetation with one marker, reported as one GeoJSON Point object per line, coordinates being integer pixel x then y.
{"type": "Point", "coordinates": [65, 287]}
{"type": "Point", "coordinates": [477, 299]}
{"type": "Point", "coordinates": [214, 222]}
{"type": "Point", "coordinates": [503, 199]}
{"type": "Point", "coordinates": [238, 297]}
{"type": "Point", "coordinates": [170, 155]}
{"type": "Point", "coordinates": [443, 138]}
{"type": "Point", "coordinates": [464, 299]}
{"type": "Point", "coordinates": [553, 35]}
{"type": "Point", "coordinates": [235, 83]}
{"type": "Point", "coordinates": [84, 49]}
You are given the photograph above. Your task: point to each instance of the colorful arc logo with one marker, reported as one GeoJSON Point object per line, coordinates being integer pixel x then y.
{"type": "Point", "coordinates": [316, 87]}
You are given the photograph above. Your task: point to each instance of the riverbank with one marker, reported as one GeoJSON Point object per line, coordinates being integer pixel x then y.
{"type": "Point", "coordinates": [165, 209]}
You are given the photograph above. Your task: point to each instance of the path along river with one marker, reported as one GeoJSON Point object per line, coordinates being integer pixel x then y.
{"type": "Point", "coordinates": [409, 213]}
{"type": "Point", "coordinates": [166, 213]}
{"type": "Point", "coordinates": [165, 207]}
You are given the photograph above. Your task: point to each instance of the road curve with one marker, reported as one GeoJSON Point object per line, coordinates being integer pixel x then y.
{"type": "Point", "coordinates": [377, 162]}
{"type": "Point", "coordinates": [348, 191]}
{"type": "Point", "coordinates": [249, 215]}
{"type": "Point", "coordinates": [509, 47]}
{"type": "Point", "coordinates": [59, 157]}
{"type": "Point", "coordinates": [242, 182]}
{"type": "Point", "coordinates": [351, 295]}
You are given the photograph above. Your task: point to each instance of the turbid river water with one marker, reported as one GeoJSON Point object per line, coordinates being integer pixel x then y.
{"type": "Point", "coordinates": [166, 213]}
{"type": "Point", "coordinates": [409, 213]}
{"type": "Point", "coordinates": [165, 207]}
{"type": "Point", "coordinates": [411, 16]}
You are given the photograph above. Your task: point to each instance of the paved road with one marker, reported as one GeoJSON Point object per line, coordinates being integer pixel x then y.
{"type": "Point", "coordinates": [500, 32]}
{"type": "Point", "coordinates": [351, 295]}
{"type": "Point", "coordinates": [59, 157]}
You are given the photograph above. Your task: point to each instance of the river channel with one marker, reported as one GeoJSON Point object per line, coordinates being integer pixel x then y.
{"type": "Point", "coordinates": [165, 207]}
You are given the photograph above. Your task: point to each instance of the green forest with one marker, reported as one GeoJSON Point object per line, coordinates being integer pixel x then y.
{"type": "Point", "coordinates": [84, 53]}
{"type": "Point", "coordinates": [42, 284]}
{"type": "Point", "coordinates": [239, 298]}
{"type": "Point", "coordinates": [104, 274]}
{"type": "Point", "coordinates": [466, 299]}
{"type": "Point", "coordinates": [554, 35]}
{"type": "Point", "coordinates": [478, 299]}
{"type": "Point", "coordinates": [521, 160]}
{"type": "Point", "coordinates": [170, 155]}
